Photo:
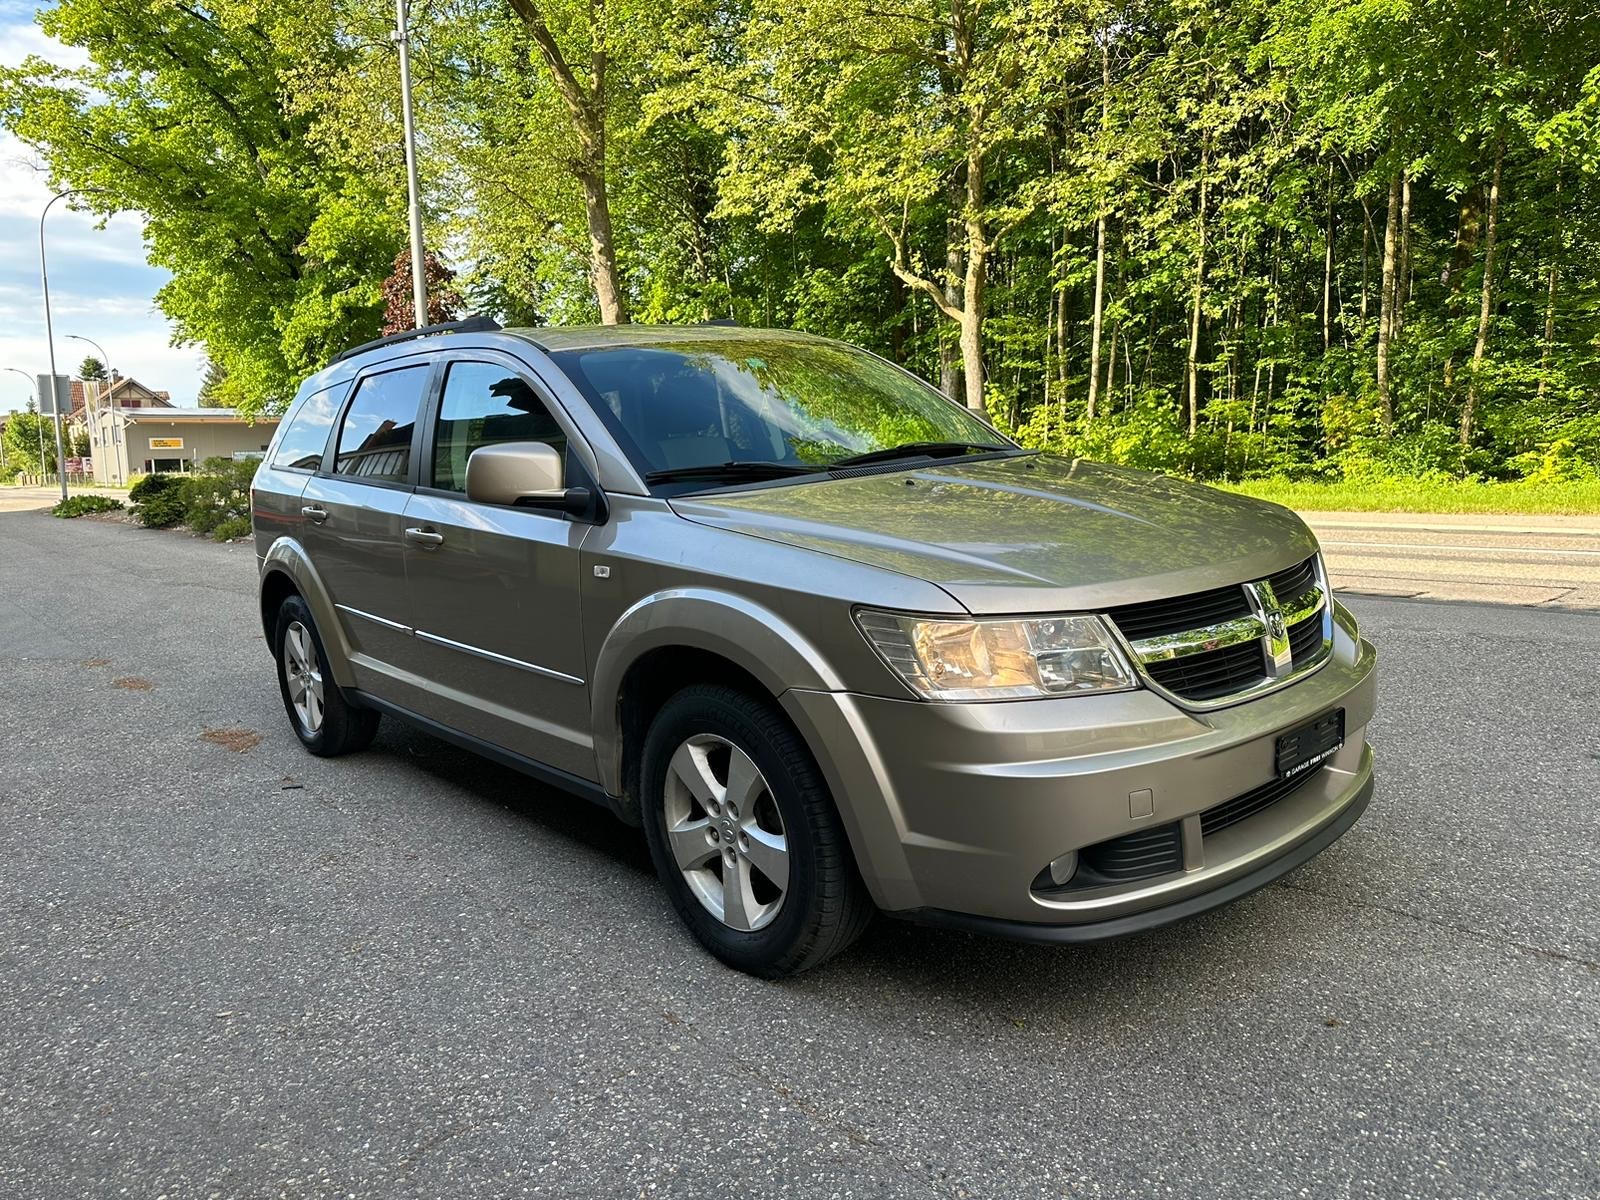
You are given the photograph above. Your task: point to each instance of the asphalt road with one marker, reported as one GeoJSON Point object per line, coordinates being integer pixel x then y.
{"type": "Point", "coordinates": [229, 969]}
{"type": "Point", "coordinates": [1539, 561]}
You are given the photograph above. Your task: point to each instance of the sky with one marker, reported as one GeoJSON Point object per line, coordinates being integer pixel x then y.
{"type": "Point", "coordinates": [101, 287]}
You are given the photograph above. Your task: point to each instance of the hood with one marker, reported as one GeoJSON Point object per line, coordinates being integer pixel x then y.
{"type": "Point", "coordinates": [1026, 534]}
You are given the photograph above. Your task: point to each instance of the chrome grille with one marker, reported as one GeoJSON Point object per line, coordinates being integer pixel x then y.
{"type": "Point", "coordinates": [1228, 644]}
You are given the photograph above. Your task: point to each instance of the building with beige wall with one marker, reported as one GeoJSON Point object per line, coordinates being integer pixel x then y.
{"type": "Point", "coordinates": [141, 441]}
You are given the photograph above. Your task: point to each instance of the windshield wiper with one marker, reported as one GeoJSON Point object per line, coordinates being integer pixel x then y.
{"type": "Point", "coordinates": [730, 471]}
{"type": "Point", "coordinates": [914, 450]}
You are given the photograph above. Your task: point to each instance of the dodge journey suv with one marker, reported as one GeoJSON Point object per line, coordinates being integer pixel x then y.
{"type": "Point", "coordinates": [833, 641]}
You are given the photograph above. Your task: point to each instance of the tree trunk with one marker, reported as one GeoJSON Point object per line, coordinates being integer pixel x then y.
{"type": "Point", "coordinates": [977, 278]}
{"type": "Point", "coordinates": [1468, 215]}
{"type": "Point", "coordinates": [1486, 297]}
{"type": "Point", "coordinates": [1550, 306]}
{"type": "Point", "coordinates": [1402, 295]}
{"type": "Point", "coordinates": [602, 248]}
{"type": "Point", "coordinates": [1099, 247]}
{"type": "Point", "coordinates": [954, 269]}
{"type": "Point", "coordinates": [1327, 271]}
{"type": "Point", "coordinates": [1099, 313]}
{"type": "Point", "coordinates": [585, 102]}
{"type": "Point", "coordinates": [1194, 317]}
{"type": "Point", "coordinates": [1386, 288]}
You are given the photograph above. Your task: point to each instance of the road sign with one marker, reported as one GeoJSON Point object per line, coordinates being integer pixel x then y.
{"type": "Point", "coordinates": [57, 399]}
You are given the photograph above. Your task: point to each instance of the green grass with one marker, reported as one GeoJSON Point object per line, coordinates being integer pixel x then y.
{"type": "Point", "coordinates": [1427, 496]}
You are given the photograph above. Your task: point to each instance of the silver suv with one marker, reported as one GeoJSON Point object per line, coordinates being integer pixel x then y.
{"type": "Point", "coordinates": [836, 644]}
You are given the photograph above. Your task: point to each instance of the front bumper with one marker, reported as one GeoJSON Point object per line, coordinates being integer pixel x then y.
{"type": "Point", "coordinates": [955, 809]}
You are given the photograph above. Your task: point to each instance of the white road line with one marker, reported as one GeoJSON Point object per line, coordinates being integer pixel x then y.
{"type": "Point", "coordinates": [1467, 549]}
{"type": "Point", "coordinates": [1562, 531]}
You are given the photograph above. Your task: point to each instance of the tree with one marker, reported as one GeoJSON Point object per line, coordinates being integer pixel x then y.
{"type": "Point", "coordinates": [31, 441]}
{"type": "Point", "coordinates": [820, 112]}
{"type": "Point", "coordinates": [185, 113]}
{"type": "Point", "coordinates": [211, 389]}
{"type": "Point", "coordinates": [399, 300]}
{"type": "Point", "coordinates": [578, 48]}
{"type": "Point", "coordinates": [91, 369]}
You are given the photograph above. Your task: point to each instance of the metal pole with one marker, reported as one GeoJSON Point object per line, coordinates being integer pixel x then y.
{"type": "Point", "coordinates": [419, 278]}
{"type": "Point", "coordinates": [114, 466]}
{"type": "Point", "coordinates": [50, 338]}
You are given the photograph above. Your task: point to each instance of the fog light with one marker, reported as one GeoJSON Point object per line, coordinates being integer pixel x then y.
{"type": "Point", "coordinates": [1064, 868]}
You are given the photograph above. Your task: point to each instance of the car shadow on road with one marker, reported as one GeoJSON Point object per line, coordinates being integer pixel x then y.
{"type": "Point", "coordinates": [1207, 959]}
{"type": "Point", "coordinates": [502, 788]}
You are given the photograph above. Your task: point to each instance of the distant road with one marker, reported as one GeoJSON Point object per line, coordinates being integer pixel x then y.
{"type": "Point", "coordinates": [1548, 562]}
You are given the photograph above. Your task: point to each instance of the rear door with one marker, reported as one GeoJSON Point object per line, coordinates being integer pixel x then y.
{"type": "Point", "coordinates": [352, 510]}
{"type": "Point", "coordinates": [494, 589]}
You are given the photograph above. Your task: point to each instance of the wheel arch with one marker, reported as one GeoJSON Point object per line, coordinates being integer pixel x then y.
{"type": "Point", "coordinates": [670, 640]}
{"type": "Point", "coordinates": [286, 570]}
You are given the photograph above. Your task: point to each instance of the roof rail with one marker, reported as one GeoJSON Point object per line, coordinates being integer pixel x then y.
{"type": "Point", "coordinates": [469, 325]}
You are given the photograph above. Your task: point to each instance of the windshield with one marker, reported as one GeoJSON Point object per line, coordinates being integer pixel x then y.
{"type": "Point", "coordinates": [706, 403]}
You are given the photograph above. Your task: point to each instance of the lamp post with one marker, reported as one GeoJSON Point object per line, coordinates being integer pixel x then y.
{"type": "Point", "coordinates": [111, 392]}
{"type": "Point", "coordinates": [38, 426]}
{"type": "Point", "coordinates": [50, 339]}
{"type": "Point", "coordinates": [419, 283]}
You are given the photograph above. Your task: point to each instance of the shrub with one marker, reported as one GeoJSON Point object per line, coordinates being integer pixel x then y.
{"type": "Point", "coordinates": [77, 506]}
{"type": "Point", "coordinates": [158, 500]}
{"type": "Point", "coordinates": [217, 501]}
{"type": "Point", "coordinates": [233, 527]}
{"type": "Point", "coordinates": [146, 486]}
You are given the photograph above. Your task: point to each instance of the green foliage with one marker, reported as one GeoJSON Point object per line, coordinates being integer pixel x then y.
{"type": "Point", "coordinates": [277, 243]}
{"type": "Point", "coordinates": [960, 188]}
{"type": "Point", "coordinates": [158, 500]}
{"type": "Point", "coordinates": [77, 506]}
{"type": "Point", "coordinates": [25, 434]}
{"type": "Point", "coordinates": [217, 499]}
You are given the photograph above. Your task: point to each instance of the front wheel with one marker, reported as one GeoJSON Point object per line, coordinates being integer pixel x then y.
{"type": "Point", "coordinates": [745, 836]}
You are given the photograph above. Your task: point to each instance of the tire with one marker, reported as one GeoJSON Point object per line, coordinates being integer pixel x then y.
{"type": "Point", "coordinates": [332, 725]}
{"type": "Point", "coordinates": [769, 929]}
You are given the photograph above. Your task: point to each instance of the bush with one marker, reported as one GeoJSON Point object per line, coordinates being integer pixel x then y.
{"type": "Point", "coordinates": [77, 506]}
{"type": "Point", "coordinates": [233, 527]}
{"type": "Point", "coordinates": [146, 486]}
{"type": "Point", "coordinates": [217, 501]}
{"type": "Point", "coordinates": [158, 500]}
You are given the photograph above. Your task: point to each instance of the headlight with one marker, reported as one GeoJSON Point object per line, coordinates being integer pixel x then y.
{"type": "Point", "coordinates": [954, 659]}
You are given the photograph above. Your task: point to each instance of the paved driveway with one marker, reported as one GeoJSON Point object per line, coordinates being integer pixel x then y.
{"type": "Point", "coordinates": [227, 968]}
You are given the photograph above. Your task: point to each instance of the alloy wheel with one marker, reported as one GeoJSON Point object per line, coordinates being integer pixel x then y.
{"type": "Point", "coordinates": [725, 832]}
{"type": "Point", "coordinates": [304, 675]}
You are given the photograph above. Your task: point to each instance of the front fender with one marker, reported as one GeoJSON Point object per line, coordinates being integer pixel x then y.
{"type": "Point", "coordinates": [288, 557]}
{"type": "Point", "coordinates": [732, 627]}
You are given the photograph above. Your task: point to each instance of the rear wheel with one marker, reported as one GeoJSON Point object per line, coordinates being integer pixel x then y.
{"type": "Point", "coordinates": [326, 723]}
{"type": "Point", "coordinates": [745, 837]}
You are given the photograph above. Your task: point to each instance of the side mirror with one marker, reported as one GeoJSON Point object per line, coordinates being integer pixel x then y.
{"type": "Point", "coordinates": [525, 474]}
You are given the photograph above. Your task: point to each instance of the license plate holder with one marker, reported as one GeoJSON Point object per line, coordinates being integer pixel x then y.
{"type": "Point", "coordinates": [1308, 747]}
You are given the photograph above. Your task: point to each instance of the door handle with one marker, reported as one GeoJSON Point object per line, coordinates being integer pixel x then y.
{"type": "Point", "coordinates": [426, 537]}
{"type": "Point", "coordinates": [314, 512]}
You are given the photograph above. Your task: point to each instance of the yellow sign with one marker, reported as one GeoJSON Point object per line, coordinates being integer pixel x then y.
{"type": "Point", "coordinates": [166, 443]}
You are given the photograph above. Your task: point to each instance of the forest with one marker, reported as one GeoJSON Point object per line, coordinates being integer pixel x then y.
{"type": "Point", "coordinates": [1307, 239]}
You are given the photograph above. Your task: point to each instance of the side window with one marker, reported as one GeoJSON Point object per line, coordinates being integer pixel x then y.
{"type": "Point", "coordinates": [375, 439]}
{"type": "Point", "coordinates": [305, 437]}
{"type": "Point", "coordinates": [484, 405]}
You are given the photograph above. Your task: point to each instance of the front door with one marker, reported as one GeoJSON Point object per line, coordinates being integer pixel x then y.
{"type": "Point", "coordinates": [352, 511]}
{"type": "Point", "coordinates": [494, 590]}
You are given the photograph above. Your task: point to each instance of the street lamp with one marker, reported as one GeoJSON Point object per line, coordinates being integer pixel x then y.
{"type": "Point", "coordinates": [49, 332]}
{"type": "Point", "coordinates": [115, 466]}
{"type": "Point", "coordinates": [419, 285]}
{"type": "Point", "coordinates": [38, 426]}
